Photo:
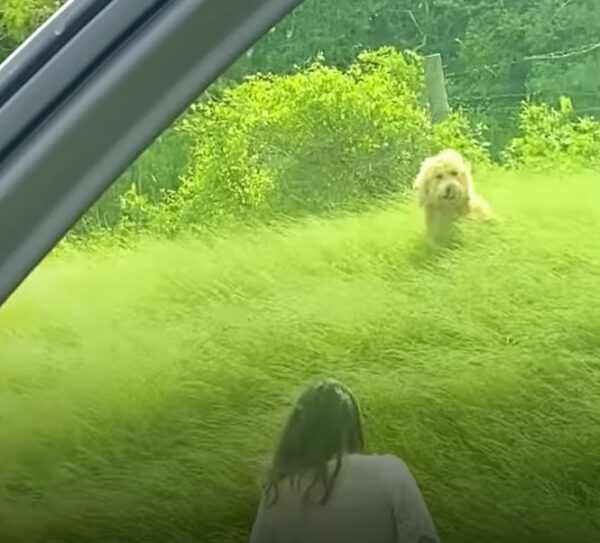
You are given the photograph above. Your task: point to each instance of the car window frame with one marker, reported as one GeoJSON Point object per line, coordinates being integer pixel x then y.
{"type": "Point", "coordinates": [102, 103]}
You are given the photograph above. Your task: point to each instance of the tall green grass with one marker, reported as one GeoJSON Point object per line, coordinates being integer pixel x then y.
{"type": "Point", "coordinates": [141, 391]}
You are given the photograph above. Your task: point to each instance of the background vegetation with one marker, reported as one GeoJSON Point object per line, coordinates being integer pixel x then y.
{"type": "Point", "coordinates": [268, 238]}
{"type": "Point", "coordinates": [497, 56]}
{"type": "Point", "coordinates": [142, 390]}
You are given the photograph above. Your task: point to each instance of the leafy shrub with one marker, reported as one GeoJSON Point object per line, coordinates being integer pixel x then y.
{"type": "Point", "coordinates": [555, 139]}
{"type": "Point", "coordinates": [457, 132]}
{"type": "Point", "coordinates": [314, 141]}
{"type": "Point", "coordinates": [156, 172]}
{"type": "Point", "coordinates": [311, 140]}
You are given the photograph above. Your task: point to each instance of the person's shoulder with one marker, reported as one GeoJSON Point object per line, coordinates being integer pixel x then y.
{"type": "Point", "coordinates": [378, 459]}
{"type": "Point", "coordinates": [389, 465]}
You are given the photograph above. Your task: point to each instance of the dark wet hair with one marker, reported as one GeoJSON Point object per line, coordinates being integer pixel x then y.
{"type": "Point", "coordinates": [325, 424]}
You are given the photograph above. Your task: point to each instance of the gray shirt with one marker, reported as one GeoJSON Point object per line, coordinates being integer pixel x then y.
{"type": "Point", "coordinates": [375, 499]}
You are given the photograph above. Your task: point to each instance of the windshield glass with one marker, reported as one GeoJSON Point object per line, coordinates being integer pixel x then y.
{"type": "Point", "coordinates": [304, 220]}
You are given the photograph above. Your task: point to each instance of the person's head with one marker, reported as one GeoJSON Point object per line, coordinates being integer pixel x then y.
{"type": "Point", "coordinates": [324, 425]}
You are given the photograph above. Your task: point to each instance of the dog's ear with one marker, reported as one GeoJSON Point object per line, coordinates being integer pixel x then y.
{"type": "Point", "coordinates": [468, 179]}
{"type": "Point", "coordinates": [417, 182]}
{"type": "Point", "coordinates": [421, 185]}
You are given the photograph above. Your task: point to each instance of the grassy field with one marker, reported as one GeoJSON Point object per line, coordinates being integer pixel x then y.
{"type": "Point", "coordinates": [142, 391]}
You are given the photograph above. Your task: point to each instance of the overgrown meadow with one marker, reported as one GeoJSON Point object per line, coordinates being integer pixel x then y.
{"type": "Point", "coordinates": [270, 238]}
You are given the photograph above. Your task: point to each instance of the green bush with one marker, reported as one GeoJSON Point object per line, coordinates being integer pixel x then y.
{"type": "Point", "coordinates": [315, 141]}
{"type": "Point", "coordinates": [311, 140]}
{"type": "Point", "coordinates": [553, 139]}
{"type": "Point", "coordinates": [156, 172]}
{"type": "Point", "coordinates": [494, 53]}
{"type": "Point", "coordinates": [457, 132]}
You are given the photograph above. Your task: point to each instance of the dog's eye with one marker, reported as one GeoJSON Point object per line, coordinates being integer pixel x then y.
{"type": "Point", "coordinates": [453, 173]}
{"type": "Point", "coordinates": [439, 176]}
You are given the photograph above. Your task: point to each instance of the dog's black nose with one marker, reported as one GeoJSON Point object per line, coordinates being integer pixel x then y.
{"type": "Point", "coordinates": [449, 192]}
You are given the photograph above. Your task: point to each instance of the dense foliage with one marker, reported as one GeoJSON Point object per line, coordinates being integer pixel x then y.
{"type": "Point", "coordinates": [555, 139]}
{"type": "Point", "coordinates": [318, 140]}
{"type": "Point", "coordinates": [339, 117]}
{"type": "Point", "coordinates": [495, 52]}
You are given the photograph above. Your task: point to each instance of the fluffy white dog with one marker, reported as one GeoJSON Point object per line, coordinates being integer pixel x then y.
{"type": "Point", "coordinates": [446, 192]}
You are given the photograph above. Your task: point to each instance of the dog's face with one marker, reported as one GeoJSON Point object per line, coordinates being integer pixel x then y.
{"type": "Point", "coordinates": [444, 180]}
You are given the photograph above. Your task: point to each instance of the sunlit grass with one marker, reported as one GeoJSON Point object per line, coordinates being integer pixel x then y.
{"type": "Point", "coordinates": [141, 391]}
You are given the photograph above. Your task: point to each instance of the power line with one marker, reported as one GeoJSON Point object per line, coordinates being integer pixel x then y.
{"type": "Point", "coordinates": [489, 97]}
{"type": "Point", "coordinates": [552, 56]}
{"type": "Point", "coordinates": [561, 55]}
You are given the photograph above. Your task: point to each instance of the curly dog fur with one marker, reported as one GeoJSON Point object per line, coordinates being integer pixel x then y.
{"type": "Point", "coordinates": [446, 193]}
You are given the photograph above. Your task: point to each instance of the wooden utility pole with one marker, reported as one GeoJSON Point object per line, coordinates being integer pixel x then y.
{"type": "Point", "coordinates": [435, 86]}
